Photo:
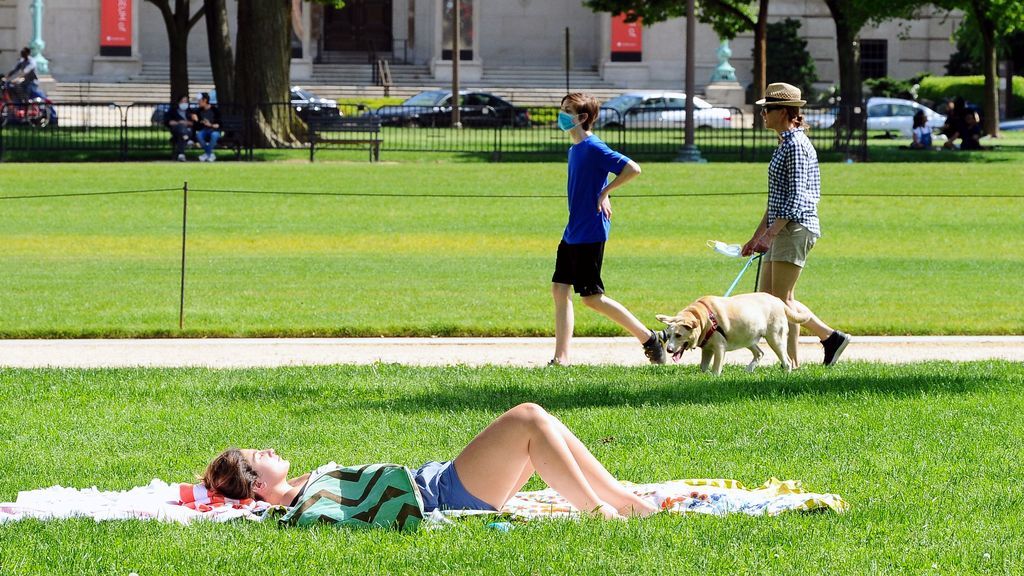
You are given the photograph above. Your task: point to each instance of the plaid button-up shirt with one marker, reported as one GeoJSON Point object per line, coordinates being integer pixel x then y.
{"type": "Point", "coordinates": [794, 181]}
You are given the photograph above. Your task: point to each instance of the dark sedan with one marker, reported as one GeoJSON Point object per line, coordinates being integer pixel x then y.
{"type": "Point", "coordinates": [434, 108]}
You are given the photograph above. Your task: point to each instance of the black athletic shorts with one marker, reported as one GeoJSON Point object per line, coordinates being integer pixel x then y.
{"type": "Point", "coordinates": [580, 265]}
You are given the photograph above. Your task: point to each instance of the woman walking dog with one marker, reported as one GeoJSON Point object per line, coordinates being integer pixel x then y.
{"type": "Point", "coordinates": [789, 227]}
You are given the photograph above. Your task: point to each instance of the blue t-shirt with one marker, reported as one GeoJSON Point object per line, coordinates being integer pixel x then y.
{"type": "Point", "coordinates": [590, 161]}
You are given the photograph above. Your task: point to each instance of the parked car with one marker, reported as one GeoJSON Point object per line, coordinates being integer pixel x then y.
{"type": "Point", "coordinates": [653, 109]}
{"type": "Point", "coordinates": [1017, 124]}
{"type": "Point", "coordinates": [897, 115]}
{"type": "Point", "coordinates": [306, 104]}
{"type": "Point", "coordinates": [434, 108]}
{"type": "Point", "coordinates": [820, 117]}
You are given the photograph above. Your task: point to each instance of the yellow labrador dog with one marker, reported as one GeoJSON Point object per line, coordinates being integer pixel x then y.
{"type": "Point", "coordinates": [717, 325]}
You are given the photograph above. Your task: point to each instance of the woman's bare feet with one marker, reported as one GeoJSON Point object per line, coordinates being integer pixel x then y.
{"type": "Point", "coordinates": [642, 509]}
{"type": "Point", "coordinates": [608, 512]}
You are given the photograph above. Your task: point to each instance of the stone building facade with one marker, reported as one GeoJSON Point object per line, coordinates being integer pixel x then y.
{"type": "Point", "coordinates": [496, 34]}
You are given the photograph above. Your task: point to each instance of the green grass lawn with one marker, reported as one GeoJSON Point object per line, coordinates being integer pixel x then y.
{"type": "Point", "coordinates": [927, 455]}
{"type": "Point", "coordinates": [398, 264]}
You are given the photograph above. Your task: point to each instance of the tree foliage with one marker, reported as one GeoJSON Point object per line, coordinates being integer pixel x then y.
{"type": "Point", "coordinates": [788, 59]}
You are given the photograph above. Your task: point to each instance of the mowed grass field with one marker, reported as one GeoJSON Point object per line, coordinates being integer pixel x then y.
{"type": "Point", "coordinates": [927, 455]}
{"type": "Point", "coordinates": [393, 263]}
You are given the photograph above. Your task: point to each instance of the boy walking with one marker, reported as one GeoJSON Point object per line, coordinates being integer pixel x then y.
{"type": "Point", "coordinates": [581, 251]}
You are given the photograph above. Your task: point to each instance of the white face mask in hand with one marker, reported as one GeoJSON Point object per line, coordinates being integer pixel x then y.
{"type": "Point", "coordinates": [732, 250]}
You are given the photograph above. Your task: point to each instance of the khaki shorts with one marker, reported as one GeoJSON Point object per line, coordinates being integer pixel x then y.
{"type": "Point", "coordinates": [792, 244]}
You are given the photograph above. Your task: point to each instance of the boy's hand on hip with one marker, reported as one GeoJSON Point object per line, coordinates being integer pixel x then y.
{"type": "Point", "coordinates": [605, 207]}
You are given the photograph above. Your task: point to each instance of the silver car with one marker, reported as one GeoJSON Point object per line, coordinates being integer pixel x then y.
{"type": "Point", "coordinates": [897, 115]}
{"type": "Point", "coordinates": [653, 109]}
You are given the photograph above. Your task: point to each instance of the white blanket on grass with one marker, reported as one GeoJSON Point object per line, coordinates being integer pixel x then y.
{"type": "Point", "coordinates": [160, 501]}
{"type": "Point", "coordinates": [156, 501]}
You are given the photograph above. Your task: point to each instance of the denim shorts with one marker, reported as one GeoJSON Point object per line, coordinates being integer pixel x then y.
{"type": "Point", "coordinates": [441, 488]}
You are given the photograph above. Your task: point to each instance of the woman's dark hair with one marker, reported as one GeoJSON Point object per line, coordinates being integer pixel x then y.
{"type": "Point", "coordinates": [794, 113]}
{"type": "Point", "coordinates": [920, 119]}
{"type": "Point", "coordinates": [229, 474]}
{"type": "Point", "coordinates": [25, 52]}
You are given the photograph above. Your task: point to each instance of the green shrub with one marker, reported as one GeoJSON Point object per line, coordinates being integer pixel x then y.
{"type": "Point", "coordinates": [890, 87]}
{"type": "Point", "coordinates": [971, 88]}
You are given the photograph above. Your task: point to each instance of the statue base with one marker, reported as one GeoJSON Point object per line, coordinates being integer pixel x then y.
{"type": "Point", "coordinates": [726, 94]}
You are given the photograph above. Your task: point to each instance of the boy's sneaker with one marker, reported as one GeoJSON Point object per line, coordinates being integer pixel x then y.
{"type": "Point", "coordinates": [212, 157]}
{"type": "Point", "coordinates": [654, 348]}
{"type": "Point", "coordinates": [834, 346]}
{"type": "Point", "coordinates": [203, 157]}
{"type": "Point", "coordinates": [181, 157]}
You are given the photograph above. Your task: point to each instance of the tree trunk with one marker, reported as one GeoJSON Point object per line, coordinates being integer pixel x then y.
{"type": "Point", "coordinates": [1009, 85]}
{"type": "Point", "coordinates": [222, 60]}
{"type": "Point", "coordinates": [179, 65]}
{"type": "Point", "coordinates": [990, 65]}
{"type": "Point", "coordinates": [850, 90]}
{"type": "Point", "coordinates": [263, 67]}
{"type": "Point", "coordinates": [760, 60]}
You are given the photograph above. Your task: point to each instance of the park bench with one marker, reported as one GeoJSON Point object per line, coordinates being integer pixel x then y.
{"type": "Point", "coordinates": [345, 131]}
{"type": "Point", "coordinates": [233, 135]}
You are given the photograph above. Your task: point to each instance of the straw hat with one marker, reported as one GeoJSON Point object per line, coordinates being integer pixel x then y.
{"type": "Point", "coordinates": [781, 94]}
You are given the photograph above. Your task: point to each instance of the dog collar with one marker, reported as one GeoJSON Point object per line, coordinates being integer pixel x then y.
{"type": "Point", "coordinates": [712, 328]}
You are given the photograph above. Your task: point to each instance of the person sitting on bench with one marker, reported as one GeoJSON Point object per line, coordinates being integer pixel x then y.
{"type": "Point", "coordinates": [178, 121]}
{"type": "Point", "coordinates": [206, 120]}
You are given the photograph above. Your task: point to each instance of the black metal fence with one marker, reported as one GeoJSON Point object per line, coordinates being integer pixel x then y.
{"type": "Point", "coordinates": [88, 131]}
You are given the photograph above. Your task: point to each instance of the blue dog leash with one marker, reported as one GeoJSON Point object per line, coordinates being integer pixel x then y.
{"type": "Point", "coordinates": [744, 270]}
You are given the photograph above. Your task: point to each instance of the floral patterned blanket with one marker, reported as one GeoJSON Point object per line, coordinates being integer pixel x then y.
{"type": "Point", "coordinates": [700, 496]}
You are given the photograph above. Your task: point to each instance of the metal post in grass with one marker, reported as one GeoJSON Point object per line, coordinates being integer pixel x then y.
{"type": "Point", "coordinates": [689, 152]}
{"type": "Point", "coordinates": [184, 221]}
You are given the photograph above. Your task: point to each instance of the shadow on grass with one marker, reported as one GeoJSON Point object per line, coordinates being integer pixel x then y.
{"type": "Point", "coordinates": [393, 388]}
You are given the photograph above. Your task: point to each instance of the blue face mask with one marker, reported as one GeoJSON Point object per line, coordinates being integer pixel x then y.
{"type": "Point", "coordinates": [566, 121]}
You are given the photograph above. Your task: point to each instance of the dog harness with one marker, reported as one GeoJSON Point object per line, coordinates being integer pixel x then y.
{"type": "Point", "coordinates": [714, 327]}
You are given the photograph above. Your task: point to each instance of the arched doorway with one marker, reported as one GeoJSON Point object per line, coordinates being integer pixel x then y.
{"type": "Point", "coordinates": [361, 26]}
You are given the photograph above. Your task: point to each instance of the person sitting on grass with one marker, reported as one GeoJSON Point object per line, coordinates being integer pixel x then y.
{"type": "Point", "coordinates": [207, 123]}
{"type": "Point", "coordinates": [922, 133]}
{"type": "Point", "coordinates": [972, 133]}
{"type": "Point", "coordinates": [495, 465]}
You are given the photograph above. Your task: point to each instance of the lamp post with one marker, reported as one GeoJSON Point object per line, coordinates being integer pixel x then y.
{"type": "Point", "coordinates": [456, 28]}
{"type": "Point", "coordinates": [37, 44]}
{"type": "Point", "coordinates": [689, 152]}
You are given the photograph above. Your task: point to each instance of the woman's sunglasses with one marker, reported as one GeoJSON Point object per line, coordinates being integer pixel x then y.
{"type": "Point", "coordinates": [768, 109]}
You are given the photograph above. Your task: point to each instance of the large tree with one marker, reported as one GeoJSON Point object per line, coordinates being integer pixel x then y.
{"type": "Point", "coordinates": [727, 17]}
{"type": "Point", "coordinates": [850, 16]}
{"type": "Point", "coordinates": [178, 22]}
{"type": "Point", "coordinates": [996, 22]}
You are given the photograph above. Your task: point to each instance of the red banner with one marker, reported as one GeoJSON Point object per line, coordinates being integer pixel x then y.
{"type": "Point", "coordinates": [116, 23]}
{"type": "Point", "coordinates": [626, 36]}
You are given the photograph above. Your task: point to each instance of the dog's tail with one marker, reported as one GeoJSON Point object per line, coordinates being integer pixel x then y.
{"type": "Point", "coordinates": [795, 316]}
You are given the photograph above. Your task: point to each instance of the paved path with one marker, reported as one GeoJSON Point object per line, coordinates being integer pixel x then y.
{"type": "Point", "coordinates": [268, 352]}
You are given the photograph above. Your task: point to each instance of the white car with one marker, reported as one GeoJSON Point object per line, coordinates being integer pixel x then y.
{"type": "Point", "coordinates": [1012, 124]}
{"type": "Point", "coordinates": [653, 109]}
{"type": "Point", "coordinates": [897, 115]}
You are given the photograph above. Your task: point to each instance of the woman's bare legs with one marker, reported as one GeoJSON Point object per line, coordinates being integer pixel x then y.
{"type": "Point", "coordinates": [779, 279]}
{"type": "Point", "coordinates": [500, 460]}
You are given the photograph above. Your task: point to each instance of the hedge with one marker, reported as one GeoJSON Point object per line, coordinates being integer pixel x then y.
{"type": "Point", "coordinates": [972, 88]}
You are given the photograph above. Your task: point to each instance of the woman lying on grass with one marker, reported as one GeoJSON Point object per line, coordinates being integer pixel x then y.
{"type": "Point", "coordinates": [490, 470]}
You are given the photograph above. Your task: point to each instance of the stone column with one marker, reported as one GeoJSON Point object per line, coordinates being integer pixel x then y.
{"type": "Point", "coordinates": [302, 68]}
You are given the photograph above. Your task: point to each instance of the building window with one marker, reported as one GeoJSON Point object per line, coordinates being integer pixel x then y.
{"type": "Point", "coordinates": [874, 58]}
